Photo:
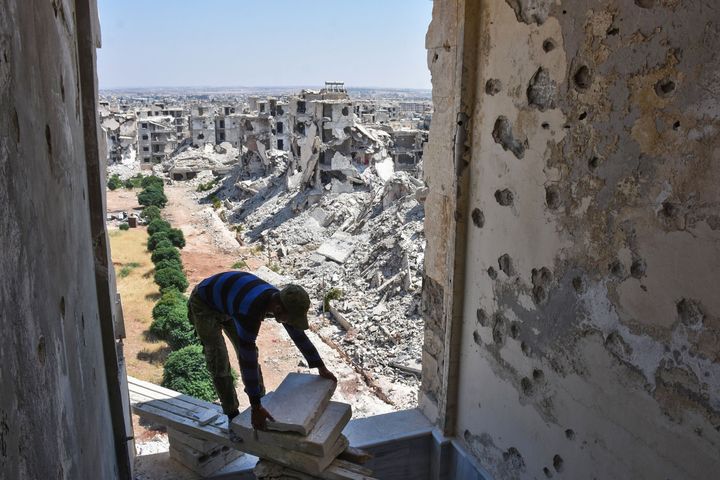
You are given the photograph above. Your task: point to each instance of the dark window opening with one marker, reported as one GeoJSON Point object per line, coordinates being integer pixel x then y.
{"type": "Point", "coordinates": [262, 107]}
{"type": "Point", "coordinates": [248, 126]}
{"type": "Point", "coordinates": [280, 144]}
{"type": "Point", "coordinates": [146, 149]}
{"type": "Point", "coordinates": [222, 123]}
{"type": "Point", "coordinates": [300, 106]}
{"type": "Point", "coordinates": [144, 137]}
{"type": "Point", "coordinates": [345, 111]}
{"type": "Point", "coordinates": [300, 128]}
{"type": "Point", "coordinates": [327, 111]}
{"type": "Point", "coordinates": [280, 110]}
{"type": "Point", "coordinates": [201, 136]}
{"type": "Point", "coordinates": [279, 127]}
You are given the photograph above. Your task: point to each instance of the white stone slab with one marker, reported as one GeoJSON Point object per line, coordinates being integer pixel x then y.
{"type": "Point", "coordinates": [298, 402]}
{"type": "Point", "coordinates": [338, 247]}
{"type": "Point", "coordinates": [318, 442]}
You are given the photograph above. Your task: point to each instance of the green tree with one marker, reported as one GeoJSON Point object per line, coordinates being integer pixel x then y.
{"type": "Point", "coordinates": [156, 238]}
{"type": "Point", "coordinates": [151, 181]}
{"type": "Point", "coordinates": [171, 278]}
{"type": "Point", "coordinates": [158, 225]}
{"type": "Point", "coordinates": [152, 196]}
{"type": "Point", "coordinates": [150, 213]}
{"type": "Point", "coordinates": [165, 253]}
{"type": "Point", "coordinates": [169, 300]}
{"type": "Point", "coordinates": [170, 263]}
{"type": "Point", "coordinates": [124, 226]}
{"type": "Point", "coordinates": [176, 236]}
{"type": "Point", "coordinates": [114, 182]}
{"type": "Point", "coordinates": [186, 371]}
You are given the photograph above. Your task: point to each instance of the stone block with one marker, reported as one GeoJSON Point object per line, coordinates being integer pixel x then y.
{"type": "Point", "coordinates": [203, 465]}
{"type": "Point", "coordinates": [318, 442]}
{"type": "Point", "coordinates": [298, 402]}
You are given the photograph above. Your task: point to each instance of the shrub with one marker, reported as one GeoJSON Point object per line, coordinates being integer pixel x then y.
{"type": "Point", "coordinates": [156, 238]}
{"type": "Point", "coordinates": [114, 182]}
{"type": "Point", "coordinates": [332, 294]}
{"type": "Point", "coordinates": [171, 278]}
{"type": "Point", "coordinates": [165, 253]}
{"type": "Point", "coordinates": [176, 264]}
{"type": "Point", "coordinates": [216, 203]}
{"type": "Point", "coordinates": [151, 181]}
{"type": "Point", "coordinates": [158, 225]}
{"type": "Point", "coordinates": [124, 226]}
{"type": "Point", "coordinates": [176, 237]}
{"type": "Point", "coordinates": [239, 264]}
{"type": "Point", "coordinates": [186, 371]}
{"type": "Point", "coordinates": [170, 299]}
{"type": "Point", "coordinates": [204, 187]}
{"type": "Point", "coordinates": [150, 213]}
{"type": "Point", "coordinates": [129, 184]}
{"type": "Point", "coordinates": [181, 333]}
{"type": "Point", "coordinates": [171, 317]}
{"type": "Point", "coordinates": [152, 196]}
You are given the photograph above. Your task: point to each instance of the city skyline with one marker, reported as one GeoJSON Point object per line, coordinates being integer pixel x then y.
{"type": "Point", "coordinates": [247, 44]}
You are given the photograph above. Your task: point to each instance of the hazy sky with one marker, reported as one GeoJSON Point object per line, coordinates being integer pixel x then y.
{"type": "Point", "coordinates": [365, 43]}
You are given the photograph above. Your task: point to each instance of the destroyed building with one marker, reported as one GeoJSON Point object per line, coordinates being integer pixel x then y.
{"type": "Point", "coordinates": [202, 125]}
{"type": "Point", "coordinates": [570, 276]}
{"type": "Point", "coordinates": [407, 148]}
{"type": "Point", "coordinates": [157, 138]}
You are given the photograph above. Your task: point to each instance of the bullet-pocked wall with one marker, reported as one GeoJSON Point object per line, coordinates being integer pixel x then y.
{"type": "Point", "coordinates": [585, 340]}
{"type": "Point", "coordinates": [55, 409]}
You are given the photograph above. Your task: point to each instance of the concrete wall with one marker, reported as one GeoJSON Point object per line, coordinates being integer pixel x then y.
{"type": "Point", "coordinates": [56, 412]}
{"type": "Point", "coordinates": [571, 292]}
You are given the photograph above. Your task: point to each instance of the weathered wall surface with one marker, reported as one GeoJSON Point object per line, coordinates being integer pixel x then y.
{"type": "Point", "coordinates": [54, 416]}
{"type": "Point", "coordinates": [590, 343]}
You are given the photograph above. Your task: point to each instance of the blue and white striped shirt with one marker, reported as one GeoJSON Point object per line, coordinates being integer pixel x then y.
{"type": "Point", "coordinates": [244, 297]}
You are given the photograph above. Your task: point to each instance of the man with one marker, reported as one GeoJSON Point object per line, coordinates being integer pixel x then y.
{"type": "Point", "coordinates": [236, 302]}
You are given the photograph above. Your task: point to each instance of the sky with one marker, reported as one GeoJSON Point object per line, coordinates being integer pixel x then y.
{"type": "Point", "coordinates": [214, 43]}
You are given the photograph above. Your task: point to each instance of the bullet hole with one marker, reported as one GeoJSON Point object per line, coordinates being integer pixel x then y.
{"type": "Point", "coordinates": [476, 338]}
{"type": "Point", "coordinates": [527, 386]}
{"type": "Point", "coordinates": [347, 130]}
{"type": "Point", "coordinates": [514, 330]}
{"type": "Point", "coordinates": [552, 197]}
{"type": "Point", "coordinates": [503, 135]}
{"type": "Point", "coordinates": [583, 116]}
{"type": "Point", "coordinates": [548, 45]}
{"type": "Point", "coordinates": [617, 269]}
{"type": "Point", "coordinates": [345, 111]}
{"type": "Point", "coordinates": [690, 312]}
{"type": "Point", "coordinates": [62, 88]}
{"type": "Point", "coordinates": [481, 316]}
{"type": "Point", "coordinates": [547, 472]}
{"type": "Point", "coordinates": [478, 218]}
{"type": "Point", "coordinates": [538, 375]}
{"type": "Point", "coordinates": [513, 457]}
{"type": "Point", "coordinates": [16, 125]}
{"type": "Point", "coordinates": [435, 57]}
{"type": "Point", "coordinates": [582, 78]}
{"type": "Point", "coordinates": [41, 350]}
{"type": "Point", "coordinates": [492, 272]}
{"type": "Point", "coordinates": [669, 210]}
{"type": "Point", "coordinates": [577, 283]}
{"type": "Point", "coordinates": [539, 294]}
{"type": "Point", "coordinates": [545, 125]}
{"type": "Point", "coordinates": [676, 126]}
{"type": "Point", "coordinates": [504, 197]}
{"type": "Point", "coordinates": [645, 3]}
{"type": "Point", "coordinates": [593, 163]}
{"type": "Point", "coordinates": [525, 348]}
{"type": "Point", "coordinates": [638, 267]}
{"type": "Point", "coordinates": [558, 463]}
{"type": "Point", "coordinates": [499, 327]}
{"type": "Point", "coordinates": [570, 434]}
{"type": "Point", "coordinates": [541, 90]}
{"type": "Point", "coordinates": [62, 306]}
{"type": "Point", "coordinates": [493, 86]}
{"type": "Point", "coordinates": [664, 87]}
{"type": "Point", "coordinates": [506, 265]}
{"type": "Point", "coordinates": [48, 139]}
{"type": "Point", "coordinates": [613, 31]}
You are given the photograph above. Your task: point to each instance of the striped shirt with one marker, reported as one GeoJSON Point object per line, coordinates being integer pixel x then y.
{"type": "Point", "coordinates": [244, 297]}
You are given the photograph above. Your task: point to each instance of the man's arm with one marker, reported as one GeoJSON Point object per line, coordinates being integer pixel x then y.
{"type": "Point", "coordinates": [309, 351]}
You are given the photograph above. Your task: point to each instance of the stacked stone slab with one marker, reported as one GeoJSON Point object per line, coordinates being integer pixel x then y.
{"type": "Point", "coordinates": [305, 437]}
{"type": "Point", "coordinates": [203, 457]}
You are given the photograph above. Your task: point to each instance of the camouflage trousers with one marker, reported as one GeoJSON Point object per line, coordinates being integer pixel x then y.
{"type": "Point", "coordinates": [209, 325]}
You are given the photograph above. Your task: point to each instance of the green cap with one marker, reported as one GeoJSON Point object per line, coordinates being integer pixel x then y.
{"type": "Point", "coordinates": [297, 302]}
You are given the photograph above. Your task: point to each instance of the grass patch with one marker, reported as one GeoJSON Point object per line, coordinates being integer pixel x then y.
{"type": "Point", "coordinates": [127, 268]}
{"type": "Point", "coordinates": [239, 264]}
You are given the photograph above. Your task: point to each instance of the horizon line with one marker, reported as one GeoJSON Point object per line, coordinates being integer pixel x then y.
{"type": "Point", "coordinates": [254, 86]}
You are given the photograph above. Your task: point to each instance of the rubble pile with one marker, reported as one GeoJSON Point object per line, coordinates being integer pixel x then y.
{"type": "Point", "coordinates": [365, 246]}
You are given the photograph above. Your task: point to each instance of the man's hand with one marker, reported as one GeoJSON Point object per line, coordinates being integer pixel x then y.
{"type": "Point", "coordinates": [259, 417]}
{"type": "Point", "coordinates": [325, 373]}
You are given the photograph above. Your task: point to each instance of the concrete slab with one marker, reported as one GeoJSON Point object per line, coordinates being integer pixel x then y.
{"type": "Point", "coordinates": [298, 402]}
{"type": "Point", "coordinates": [199, 444]}
{"type": "Point", "coordinates": [318, 442]}
{"type": "Point", "coordinates": [338, 247]}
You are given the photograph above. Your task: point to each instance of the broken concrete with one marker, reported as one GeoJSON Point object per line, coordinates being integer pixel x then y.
{"type": "Point", "coordinates": [298, 402]}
